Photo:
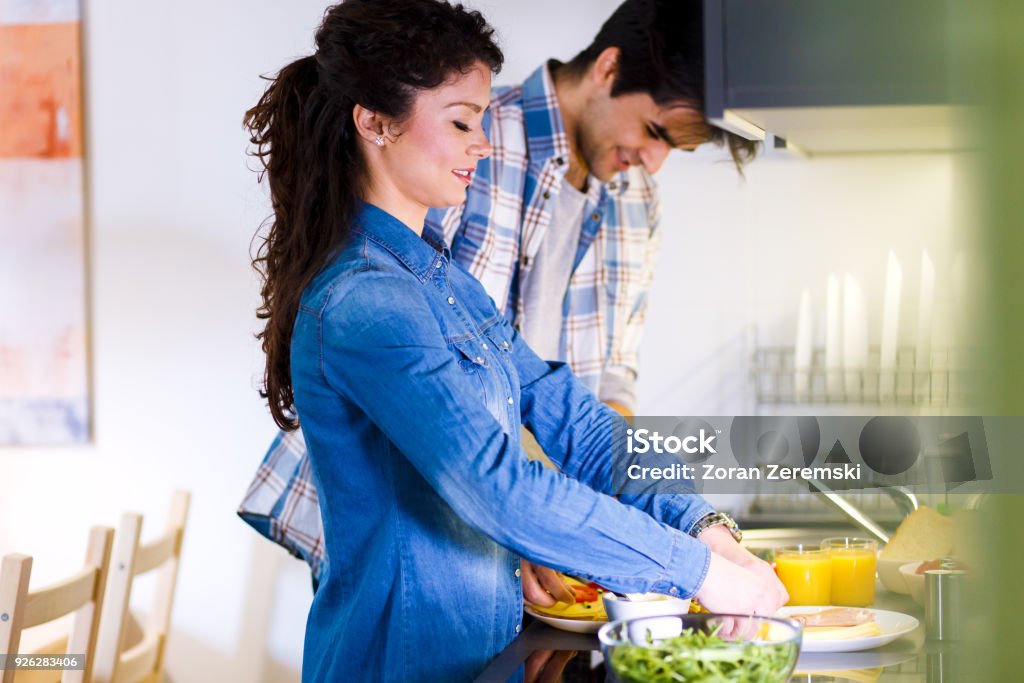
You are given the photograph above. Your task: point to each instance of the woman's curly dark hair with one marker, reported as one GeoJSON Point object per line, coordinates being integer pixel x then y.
{"type": "Point", "coordinates": [376, 53]}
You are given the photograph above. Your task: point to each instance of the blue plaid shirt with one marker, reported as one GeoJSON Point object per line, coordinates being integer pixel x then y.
{"type": "Point", "coordinates": [495, 236]}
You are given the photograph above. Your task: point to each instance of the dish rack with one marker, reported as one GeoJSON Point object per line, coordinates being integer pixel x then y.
{"type": "Point", "coordinates": [946, 380]}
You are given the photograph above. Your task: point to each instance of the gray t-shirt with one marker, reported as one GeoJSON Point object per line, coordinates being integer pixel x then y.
{"type": "Point", "coordinates": [545, 289]}
{"type": "Point", "coordinates": [541, 323]}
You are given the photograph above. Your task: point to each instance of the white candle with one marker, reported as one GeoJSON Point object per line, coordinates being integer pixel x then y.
{"type": "Point", "coordinates": [961, 317]}
{"type": "Point", "coordinates": [924, 313]}
{"type": "Point", "coordinates": [890, 328]}
{"type": "Point", "coordinates": [855, 336]}
{"type": "Point", "coordinates": [803, 349]}
{"type": "Point", "coordinates": [963, 324]}
{"type": "Point", "coordinates": [833, 340]}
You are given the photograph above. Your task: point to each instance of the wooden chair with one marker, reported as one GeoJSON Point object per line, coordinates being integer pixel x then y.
{"type": "Point", "coordinates": [142, 662]}
{"type": "Point", "coordinates": [81, 593]}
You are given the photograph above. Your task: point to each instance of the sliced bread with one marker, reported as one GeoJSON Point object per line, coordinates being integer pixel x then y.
{"type": "Point", "coordinates": [923, 535]}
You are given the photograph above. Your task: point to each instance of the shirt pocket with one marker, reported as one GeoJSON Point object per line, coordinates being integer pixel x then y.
{"type": "Point", "coordinates": [501, 344]}
{"type": "Point", "coordinates": [476, 359]}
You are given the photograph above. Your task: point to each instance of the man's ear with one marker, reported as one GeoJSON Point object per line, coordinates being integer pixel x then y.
{"type": "Point", "coordinates": [606, 67]}
{"type": "Point", "coordinates": [369, 124]}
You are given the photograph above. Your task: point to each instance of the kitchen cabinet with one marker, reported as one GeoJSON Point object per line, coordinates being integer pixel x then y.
{"type": "Point", "coordinates": [834, 76]}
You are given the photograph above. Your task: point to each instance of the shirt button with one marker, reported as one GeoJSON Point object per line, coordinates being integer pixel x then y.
{"type": "Point", "coordinates": [559, 161]}
{"type": "Point", "coordinates": [480, 360]}
{"type": "Point", "coordinates": [437, 265]}
{"type": "Point", "coordinates": [484, 345]}
{"type": "Point", "coordinates": [613, 186]}
{"type": "Point", "coordinates": [596, 216]}
{"type": "Point", "coordinates": [451, 299]}
{"type": "Point", "coordinates": [673, 590]}
{"type": "Point", "coordinates": [519, 572]}
{"type": "Point", "coordinates": [504, 345]}
{"type": "Point", "coordinates": [547, 195]}
{"type": "Point", "coordinates": [512, 403]}
{"type": "Point", "coordinates": [519, 627]}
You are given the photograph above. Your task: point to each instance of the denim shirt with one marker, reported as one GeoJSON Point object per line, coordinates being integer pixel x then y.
{"type": "Point", "coordinates": [411, 388]}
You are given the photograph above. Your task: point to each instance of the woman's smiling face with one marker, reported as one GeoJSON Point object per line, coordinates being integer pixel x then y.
{"type": "Point", "coordinates": [428, 159]}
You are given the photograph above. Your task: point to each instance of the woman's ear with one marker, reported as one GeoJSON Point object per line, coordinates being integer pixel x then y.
{"type": "Point", "coordinates": [369, 125]}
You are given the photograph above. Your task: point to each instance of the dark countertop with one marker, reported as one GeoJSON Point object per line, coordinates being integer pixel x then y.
{"type": "Point", "coordinates": [909, 659]}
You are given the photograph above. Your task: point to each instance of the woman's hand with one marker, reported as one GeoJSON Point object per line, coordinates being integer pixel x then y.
{"type": "Point", "coordinates": [731, 588]}
{"type": "Point", "coordinates": [722, 542]}
{"type": "Point", "coordinates": [543, 586]}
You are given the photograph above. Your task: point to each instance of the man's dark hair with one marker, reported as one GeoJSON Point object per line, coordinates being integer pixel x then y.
{"type": "Point", "coordinates": [661, 46]}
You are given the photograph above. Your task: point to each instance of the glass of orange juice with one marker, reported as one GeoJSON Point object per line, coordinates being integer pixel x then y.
{"type": "Point", "coordinates": [806, 572]}
{"type": "Point", "coordinates": [853, 570]}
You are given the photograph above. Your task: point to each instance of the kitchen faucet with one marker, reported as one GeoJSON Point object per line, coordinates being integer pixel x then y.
{"type": "Point", "coordinates": [904, 498]}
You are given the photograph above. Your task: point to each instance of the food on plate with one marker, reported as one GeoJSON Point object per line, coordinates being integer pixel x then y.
{"type": "Point", "coordinates": [924, 533]}
{"type": "Point", "coordinates": [839, 616]}
{"type": "Point", "coordinates": [943, 563]}
{"type": "Point", "coordinates": [697, 608]}
{"type": "Point", "coordinates": [839, 623]}
{"type": "Point", "coordinates": [588, 607]}
{"type": "Point", "coordinates": [868, 630]}
{"type": "Point", "coordinates": [588, 592]}
{"type": "Point", "coordinates": [699, 657]}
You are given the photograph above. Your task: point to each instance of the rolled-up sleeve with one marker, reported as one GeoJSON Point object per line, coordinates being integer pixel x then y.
{"type": "Point", "coordinates": [397, 367]}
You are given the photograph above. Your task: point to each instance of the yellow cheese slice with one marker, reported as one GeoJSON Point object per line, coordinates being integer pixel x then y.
{"type": "Point", "coordinates": [842, 632]}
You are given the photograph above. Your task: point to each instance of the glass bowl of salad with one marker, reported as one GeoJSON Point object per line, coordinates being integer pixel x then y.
{"type": "Point", "coordinates": [701, 647]}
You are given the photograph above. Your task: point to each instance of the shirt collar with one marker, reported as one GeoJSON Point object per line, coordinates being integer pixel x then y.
{"type": "Point", "coordinates": [545, 130]}
{"type": "Point", "coordinates": [419, 254]}
{"type": "Point", "coordinates": [545, 133]}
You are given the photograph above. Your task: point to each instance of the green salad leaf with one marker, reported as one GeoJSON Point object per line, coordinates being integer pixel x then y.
{"type": "Point", "coordinates": [701, 657]}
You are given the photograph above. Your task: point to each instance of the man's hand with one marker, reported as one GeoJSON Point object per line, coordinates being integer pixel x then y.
{"type": "Point", "coordinates": [546, 666]}
{"type": "Point", "coordinates": [543, 586]}
{"type": "Point", "coordinates": [722, 543]}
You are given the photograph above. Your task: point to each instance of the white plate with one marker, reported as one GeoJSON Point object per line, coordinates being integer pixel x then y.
{"type": "Point", "coordinates": [574, 625]}
{"type": "Point", "coordinates": [892, 624]}
{"type": "Point", "coordinates": [833, 662]}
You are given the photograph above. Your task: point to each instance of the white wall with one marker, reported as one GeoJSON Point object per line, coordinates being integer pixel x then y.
{"type": "Point", "coordinates": [172, 208]}
{"type": "Point", "coordinates": [737, 254]}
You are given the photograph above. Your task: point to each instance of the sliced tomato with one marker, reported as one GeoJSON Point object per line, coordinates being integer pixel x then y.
{"type": "Point", "coordinates": [587, 593]}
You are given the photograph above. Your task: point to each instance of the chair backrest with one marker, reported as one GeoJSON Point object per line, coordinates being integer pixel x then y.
{"type": "Point", "coordinates": [81, 593]}
{"type": "Point", "coordinates": [143, 661]}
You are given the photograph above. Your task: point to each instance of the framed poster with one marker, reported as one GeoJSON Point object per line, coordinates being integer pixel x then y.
{"type": "Point", "coordinates": [44, 371]}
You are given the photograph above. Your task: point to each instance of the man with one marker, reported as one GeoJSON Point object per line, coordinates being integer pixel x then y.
{"type": "Point", "coordinates": [560, 226]}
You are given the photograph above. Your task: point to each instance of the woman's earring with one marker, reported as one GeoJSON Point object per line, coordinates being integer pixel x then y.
{"type": "Point", "coordinates": [379, 140]}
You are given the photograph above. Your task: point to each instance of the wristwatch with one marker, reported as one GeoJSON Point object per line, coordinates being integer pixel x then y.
{"type": "Point", "coordinates": [714, 519]}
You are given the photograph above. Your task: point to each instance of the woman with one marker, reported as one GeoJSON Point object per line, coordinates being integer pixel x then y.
{"type": "Point", "coordinates": [410, 385]}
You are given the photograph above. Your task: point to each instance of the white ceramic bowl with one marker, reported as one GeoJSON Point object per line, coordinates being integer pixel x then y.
{"type": "Point", "coordinates": [914, 581]}
{"type": "Point", "coordinates": [889, 574]}
{"type": "Point", "coordinates": [643, 605]}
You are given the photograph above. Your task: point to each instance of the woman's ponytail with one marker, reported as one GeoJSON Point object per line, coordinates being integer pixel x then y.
{"type": "Point", "coordinates": [303, 138]}
{"type": "Point", "coordinates": [379, 55]}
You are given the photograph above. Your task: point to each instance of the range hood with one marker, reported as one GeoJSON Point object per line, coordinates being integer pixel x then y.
{"type": "Point", "coordinates": [835, 76]}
